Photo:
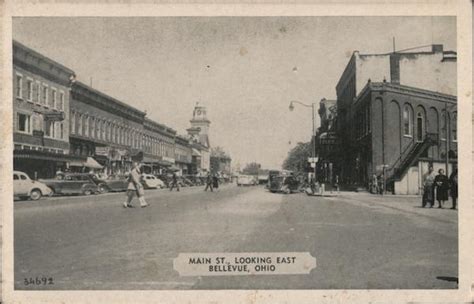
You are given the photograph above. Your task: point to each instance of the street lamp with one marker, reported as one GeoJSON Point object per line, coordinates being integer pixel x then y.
{"type": "Point", "coordinates": [292, 107]}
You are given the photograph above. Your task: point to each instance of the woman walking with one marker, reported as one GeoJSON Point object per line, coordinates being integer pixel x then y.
{"type": "Point", "coordinates": [428, 188]}
{"type": "Point", "coordinates": [135, 187]}
{"type": "Point", "coordinates": [442, 187]}
{"type": "Point", "coordinates": [453, 179]}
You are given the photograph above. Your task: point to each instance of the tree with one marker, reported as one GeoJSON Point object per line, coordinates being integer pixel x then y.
{"type": "Point", "coordinates": [218, 152]}
{"type": "Point", "coordinates": [251, 169]}
{"type": "Point", "coordinates": [297, 159]}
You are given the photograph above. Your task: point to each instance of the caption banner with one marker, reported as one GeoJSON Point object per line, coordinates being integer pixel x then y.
{"type": "Point", "coordinates": [245, 263]}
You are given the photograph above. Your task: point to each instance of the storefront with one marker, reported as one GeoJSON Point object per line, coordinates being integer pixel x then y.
{"type": "Point", "coordinates": [43, 164]}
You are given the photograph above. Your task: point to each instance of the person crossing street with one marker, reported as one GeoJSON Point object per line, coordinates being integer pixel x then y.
{"type": "Point", "coordinates": [209, 182]}
{"type": "Point", "coordinates": [174, 182]}
{"type": "Point", "coordinates": [135, 187]}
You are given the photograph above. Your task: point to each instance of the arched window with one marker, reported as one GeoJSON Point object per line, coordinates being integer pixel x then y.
{"type": "Point", "coordinates": [454, 128]}
{"type": "Point", "coordinates": [420, 125]}
{"type": "Point", "coordinates": [407, 121]}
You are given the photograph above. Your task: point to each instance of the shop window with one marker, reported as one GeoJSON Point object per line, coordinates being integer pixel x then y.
{"type": "Point", "coordinates": [24, 123]}
{"type": "Point", "coordinates": [407, 121]}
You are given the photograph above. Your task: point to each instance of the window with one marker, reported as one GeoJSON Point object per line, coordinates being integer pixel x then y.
{"type": "Point", "coordinates": [102, 130]}
{"type": "Point", "coordinates": [79, 124]}
{"type": "Point", "coordinates": [86, 125]}
{"type": "Point", "coordinates": [49, 128]}
{"type": "Point", "coordinates": [53, 98]}
{"type": "Point", "coordinates": [24, 123]}
{"type": "Point", "coordinates": [19, 86]}
{"type": "Point", "coordinates": [15, 177]}
{"type": "Point", "coordinates": [38, 92]}
{"type": "Point", "coordinates": [92, 128]}
{"type": "Point", "coordinates": [61, 131]}
{"type": "Point", "coordinates": [45, 95]}
{"type": "Point", "coordinates": [29, 88]}
{"type": "Point", "coordinates": [444, 125]}
{"type": "Point", "coordinates": [407, 121]}
{"type": "Point", "coordinates": [61, 101]}
{"type": "Point", "coordinates": [420, 126]}
{"type": "Point", "coordinates": [454, 128]}
{"type": "Point", "coordinates": [73, 122]}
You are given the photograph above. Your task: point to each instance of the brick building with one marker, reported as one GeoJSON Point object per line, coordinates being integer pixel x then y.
{"type": "Point", "coordinates": [391, 116]}
{"type": "Point", "coordinates": [104, 129]}
{"type": "Point", "coordinates": [158, 146]}
{"type": "Point", "coordinates": [327, 141]}
{"type": "Point", "coordinates": [40, 113]}
{"type": "Point", "coordinates": [183, 155]}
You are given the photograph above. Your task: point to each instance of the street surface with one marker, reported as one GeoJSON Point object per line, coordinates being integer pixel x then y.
{"type": "Point", "coordinates": [359, 240]}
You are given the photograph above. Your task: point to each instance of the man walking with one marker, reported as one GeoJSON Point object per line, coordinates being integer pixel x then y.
{"type": "Point", "coordinates": [453, 180]}
{"type": "Point", "coordinates": [208, 182]}
{"type": "Point", "coordinates": [135, 187]}
{"type": "Point", "coordinates": [174, 182]}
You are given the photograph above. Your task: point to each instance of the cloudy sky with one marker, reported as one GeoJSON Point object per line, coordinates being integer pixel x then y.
{"type": "Point", "coordinates": [246, 70]}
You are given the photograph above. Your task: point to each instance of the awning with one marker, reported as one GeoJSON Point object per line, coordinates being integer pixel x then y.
{"type": "Point", "coordinates": [89, 163]}
{"type": "Point", "coordinates": [196, 152]}
{"type": "Point", "coordinates": [46, 156]}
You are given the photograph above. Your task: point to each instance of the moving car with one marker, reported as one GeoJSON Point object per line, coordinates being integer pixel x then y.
{"type": "Point", "coordinates": [116, 183]}
{"type": "Point", "coordinates": [284, 184]}
{"type": "Point", "coordinates": [24, 187]}
{"type": "Point", "coordinates": [72, 183]}
{"type": "Point", "coordinates": [246, 180]}
{"type": "Point", "coordinates": [150, 181]}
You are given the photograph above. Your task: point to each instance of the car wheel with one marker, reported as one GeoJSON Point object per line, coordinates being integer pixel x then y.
{"type": "Point", "coordinates": [35, 194]}
{"type": "Point", "coordinates": [87, 192]}
{"type": "Point", "coordinates": [103, 188]}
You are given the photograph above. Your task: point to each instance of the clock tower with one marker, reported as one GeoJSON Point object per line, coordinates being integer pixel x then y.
{"type": "Point", "coordinates": [200, 121]}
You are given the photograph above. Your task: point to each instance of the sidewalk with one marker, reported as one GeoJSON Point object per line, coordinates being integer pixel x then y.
{"type": "Point", "coordinates": [405, 203]}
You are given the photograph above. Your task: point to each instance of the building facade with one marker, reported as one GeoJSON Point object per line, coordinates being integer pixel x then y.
{"type": "Point", "coordinates": [401, 127]}
{"type": "Point", "coordinates": [105, 129]}
{"type": "Point", "coordinates": [199, 134]}
{"type": "Point", "coordinates": [41, 99]}
{"type": "Point", "coordinates": [327, 142]}
{"type": "Point", "coordinates": [158, 147]}
{"type": "Point", "coordinates": [183, 155]}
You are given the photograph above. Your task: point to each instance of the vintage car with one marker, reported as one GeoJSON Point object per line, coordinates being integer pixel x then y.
{"type": "Point", "coordinates": [72, 183]}
{"type": "Point", "coordinates": [116, 183]}
{"type": "Point", "coordinates": [284, 184]}
{"type": "Point", "coordinates": [246, 180]}
{"type": "Point", "coordinates": [24, 187]}
{"type": "Point", "coordinates": [150, 181]}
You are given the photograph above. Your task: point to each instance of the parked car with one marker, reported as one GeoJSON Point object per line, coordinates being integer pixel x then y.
{"type": "Point", "coordinates": [72, 183]}
{"type": "Point", "coordinates": [284, 184]}
{"type": "Point", "coordinates": [246, 180]}
{"type": "Point", "coordinates": [150, 181]}
{"type": "Point", "coordinates": [116, 182]}
{"type": "Point", "coordinates": [24, 187]}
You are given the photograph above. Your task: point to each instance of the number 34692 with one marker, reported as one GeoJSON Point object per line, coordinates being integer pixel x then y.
{"type": "Point", "coordinates": [38, 281]}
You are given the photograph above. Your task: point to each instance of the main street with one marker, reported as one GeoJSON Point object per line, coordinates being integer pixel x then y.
{"type": "Point", "coordinates": [359, 240]}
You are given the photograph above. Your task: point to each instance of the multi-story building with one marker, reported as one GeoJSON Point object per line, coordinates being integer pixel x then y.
{"type": "Point", "coordinates": [183, 155]}
{"type": "Point", "coordinates": [199, 133]}
{"type": "Point", "coordinates": [104, 129]}
{"type": "Point", "coordinates": [396, 115]}
{"type": "Point", "coordinates": [158, 146]}
{"type": "Point", "coordinates": [40, 113]}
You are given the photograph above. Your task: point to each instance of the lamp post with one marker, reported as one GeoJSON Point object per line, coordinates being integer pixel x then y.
{"type": "Point", "coordinates": [313, 139]}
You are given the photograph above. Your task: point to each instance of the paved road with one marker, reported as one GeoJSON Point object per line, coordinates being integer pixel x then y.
{"type": "Point", "coordinates": [359, 240]}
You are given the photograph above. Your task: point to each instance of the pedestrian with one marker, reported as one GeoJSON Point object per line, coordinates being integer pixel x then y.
{"type": "Point", "coordinates": [442, 186]}
{"type": "Point", "coordinates": [428, 188]}
{"type": "Point", "coordinates": [374, 186]}
{"type": "Point", "coordinates": [174, 182]}
{"type": "Point", "coordinates": [380, 184]}
{"type": "Point", "coordinates": [215, 182]}
{"type": "Point", "coordinates": [135, 187]}
{"type": "Point", "coordinates": [208, 182]}
{"type": "Point", "coordinates": [453, 180]}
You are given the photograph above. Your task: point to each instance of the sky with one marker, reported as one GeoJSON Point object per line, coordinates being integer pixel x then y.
{"type": "Point", "coordinates": [245, 70]}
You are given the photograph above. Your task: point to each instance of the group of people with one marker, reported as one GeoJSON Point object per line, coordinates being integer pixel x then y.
{"type": "Point", "coordinates": [135, 187]}
{"type": "Point", "coordinates": [439, 187]}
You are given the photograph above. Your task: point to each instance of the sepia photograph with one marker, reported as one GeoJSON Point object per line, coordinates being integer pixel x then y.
{"type": "Point", "coordinates": [206, 153]}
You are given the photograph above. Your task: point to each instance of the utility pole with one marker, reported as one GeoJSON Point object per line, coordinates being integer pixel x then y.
{"type": "Point", "coordinates": [447, 135]}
